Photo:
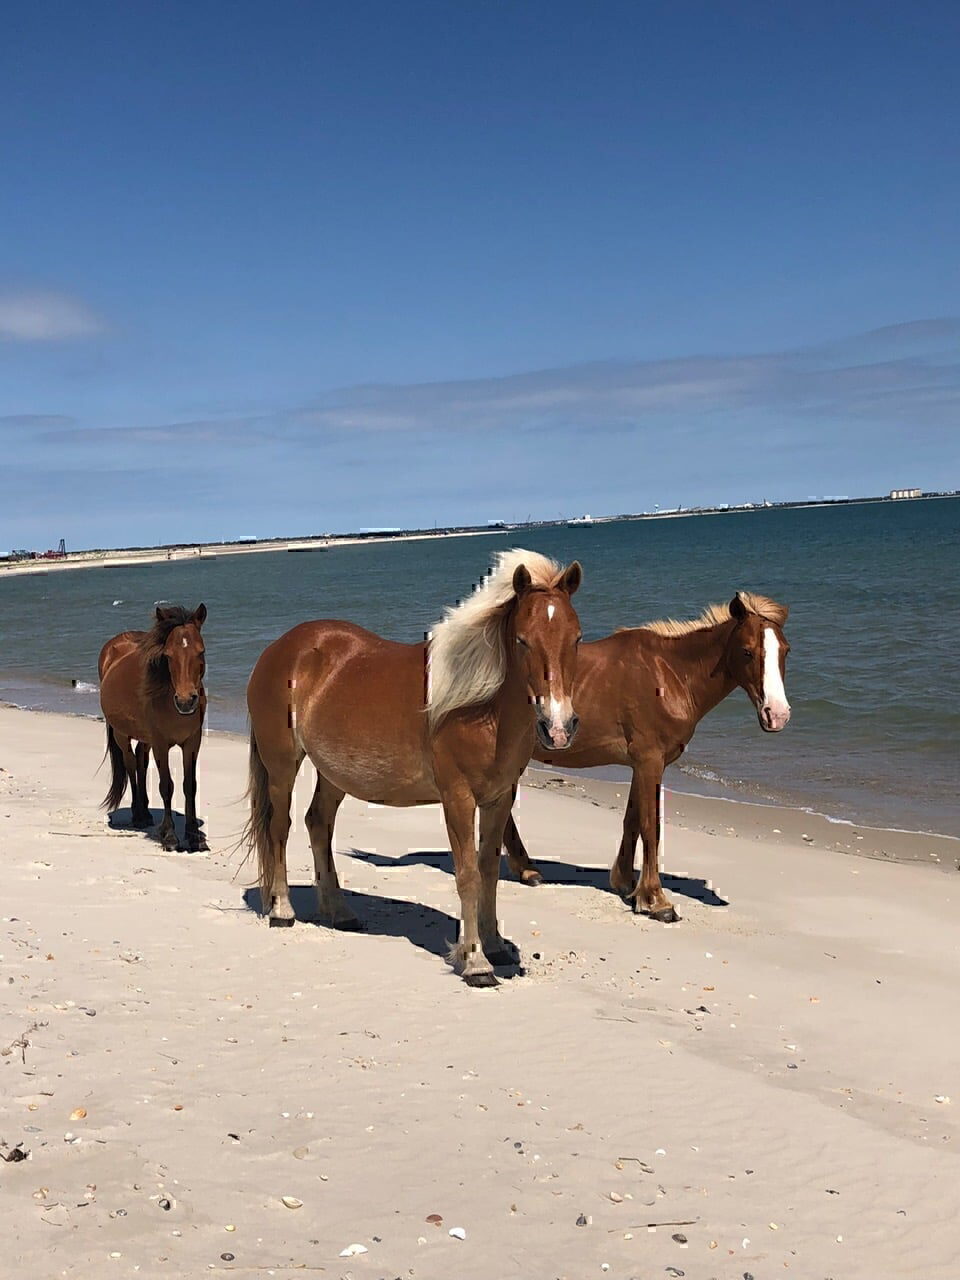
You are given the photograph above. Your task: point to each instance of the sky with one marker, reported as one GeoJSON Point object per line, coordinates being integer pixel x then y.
{"type": "Point", "coordinates": [286, 269]}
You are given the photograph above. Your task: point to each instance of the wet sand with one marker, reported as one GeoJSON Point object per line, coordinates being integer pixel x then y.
{"type": "Point", "coordinates": [763, 1088]}
{"type": "Point", "coordinates": [775, 824]}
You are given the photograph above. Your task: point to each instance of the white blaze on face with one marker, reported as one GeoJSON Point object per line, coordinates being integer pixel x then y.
{"type": "Point", "coordinates": [551, 610]}
{"type": "Point", "coordinates": [183, 641]}
{"type": "Point", "coordinates": [775, 702]}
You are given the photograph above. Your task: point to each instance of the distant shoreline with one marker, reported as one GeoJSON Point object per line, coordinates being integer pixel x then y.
{"type": "Point", "coordinates": [213, 550]}
{"type": "Point", "coordinates": [114, 557]}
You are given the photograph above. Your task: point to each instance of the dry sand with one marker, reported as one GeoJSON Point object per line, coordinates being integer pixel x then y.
{"type": "Point", "coordinates": [759, 1090]}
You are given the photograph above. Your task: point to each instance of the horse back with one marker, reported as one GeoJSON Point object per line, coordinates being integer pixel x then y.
{"type": "Point", "coordinates": [117, 647]}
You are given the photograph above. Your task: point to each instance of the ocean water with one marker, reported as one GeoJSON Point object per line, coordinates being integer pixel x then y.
{"type": "Point", "coordinates": [873, 676]}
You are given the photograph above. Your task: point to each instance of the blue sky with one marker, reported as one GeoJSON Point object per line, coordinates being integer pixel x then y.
{"type": "Point", "coordinates": [289, 268]}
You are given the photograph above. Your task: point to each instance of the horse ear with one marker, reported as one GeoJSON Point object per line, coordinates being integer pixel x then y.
{"type": "Point", "coordinates": [160, 613]}
{"type": "Point", "coordinates": [521, 579]}
{"type": "Point", "coordinates": [572, 577]}
{"type": "Point", "coordinates": [738, 609]}
{"type": "Point", "coordinates": [200, 614]}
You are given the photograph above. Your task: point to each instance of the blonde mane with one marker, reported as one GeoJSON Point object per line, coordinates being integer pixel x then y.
{"type": "Point", "coordinates": [466, 657]}
{"type": "Point", "coordinates": [714, 615]}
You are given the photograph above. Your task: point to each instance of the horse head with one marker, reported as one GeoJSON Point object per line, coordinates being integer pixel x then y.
{"type": "Point", "coordinates": [184, 652]}
{"type": "Point", "coordinates": [543, 638]}
{"type": "Point", "coordinates": [756, 656]}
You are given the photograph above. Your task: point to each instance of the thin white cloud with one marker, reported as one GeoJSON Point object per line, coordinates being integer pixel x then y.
{"type": "Point", "coordinates": [35, 421]}
{"type": "Point", "coordinates": [904, 374]}
{"type": "Point", "coordinates": [45, 317]}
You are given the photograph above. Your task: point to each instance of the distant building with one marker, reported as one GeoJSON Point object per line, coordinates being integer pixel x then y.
{"type": "Point", "coordinates": [905, 493]}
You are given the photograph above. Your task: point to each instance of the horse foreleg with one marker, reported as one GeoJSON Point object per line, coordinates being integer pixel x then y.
{"type": "Point", "coordinates": [460, 811]}
{"type": "Point", "coordinates": [621, 873]}
{"type": "Point", "coordinates": [493, 818]}
{"type": "Point", "coordinates": [167, 832]}
{"type": "Point", "coordinates": [517, 856]}
{"type": "Point", "coordinates": [320, 819]}
{"type": "Point", "coordinates": [643, 818]}
{"type": "Point", "coordinates": [141, 801]}
{"type": "Point", "coordinates": [196, 841]}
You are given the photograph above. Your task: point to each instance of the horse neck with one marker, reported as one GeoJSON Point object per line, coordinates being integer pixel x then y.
{"type": "Point", "coordinates": [696, 658]}
{"type": "Point", "coordinates": [156, 682]}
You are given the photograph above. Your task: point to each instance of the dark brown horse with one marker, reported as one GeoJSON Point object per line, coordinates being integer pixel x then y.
{"type": "Point", "coordinates": [151, 693]}
{"type": "Point", "coordinates": [454, 720]}
{"type": "Point", "coordinates": [642, 692]}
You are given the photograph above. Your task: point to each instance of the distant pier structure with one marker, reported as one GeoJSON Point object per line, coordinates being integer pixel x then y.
{"type": "Point", "coordinates": [905, 493]}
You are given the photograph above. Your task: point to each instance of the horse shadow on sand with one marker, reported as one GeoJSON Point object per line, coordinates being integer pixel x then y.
{"type": "Point", "coordinates": [424, 927]}
{"type": "Point", "coordinates": [122, 820]}
{"type": "Point", "coordinates": [554, 873]}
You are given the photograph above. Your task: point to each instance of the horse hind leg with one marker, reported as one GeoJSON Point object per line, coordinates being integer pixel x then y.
{"type": "Point", "coordinates": [142, 816]}
{"type": "Point", "coordinates": [123, 770]}
{"type": "Point", "coordinates": [270, 791]}
{"type": "Point", "coordinates": [517, 856]}
{"type": "Point", "coordinates": [320, 818]}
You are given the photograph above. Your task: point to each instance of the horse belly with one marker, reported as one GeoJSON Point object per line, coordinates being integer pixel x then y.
{"type": "Point", "coordinates": [120, 703]}
{"type": "Point", "coordinates": [374, 749]}
{"type": "Point", "coordinates": [586, 758]}
{"type": "Point", "coordinates": [376, 774]}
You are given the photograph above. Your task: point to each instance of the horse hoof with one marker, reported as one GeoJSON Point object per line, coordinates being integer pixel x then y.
{"type": "Point", "coordinates": [198, 846]}
{"type": "Point", "coordinates": [532, 879]}
{"type": "Point", "coordinates": [480, 980]}
{"type": "Point", "coordinates": [281, 922]}
{"type": "Point", "coordinates": [666, 915]}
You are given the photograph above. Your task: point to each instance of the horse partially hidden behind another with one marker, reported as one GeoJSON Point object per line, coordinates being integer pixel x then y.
{"type": "Point", "coordinates": [151, 693]}
{"type": "Point", "coordinates": [642, 692]}
{"type": "Point", "coordinates": [454, 720]}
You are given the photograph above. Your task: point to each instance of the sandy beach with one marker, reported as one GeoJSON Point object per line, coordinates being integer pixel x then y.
{"type": "Point", "coordinates": [120, 556]}
{"type": "Point", "coordinates": [762, 1089]}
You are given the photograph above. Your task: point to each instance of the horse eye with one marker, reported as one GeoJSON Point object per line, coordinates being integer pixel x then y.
{"type": "Point", "coordinates": [748, 653]}
{"type": "Point", "coordinates": [521, 642]}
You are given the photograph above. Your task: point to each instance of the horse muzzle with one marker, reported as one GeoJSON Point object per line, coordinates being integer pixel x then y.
{"type": "Point", "coordinates": [773, 717]}
{"type": "Point", "coordinates": [554, 734]}
{"type": "Point", "coordinates": [186, 706]}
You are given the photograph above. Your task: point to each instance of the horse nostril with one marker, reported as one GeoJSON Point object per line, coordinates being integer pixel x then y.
{"type": "Point", "coordinates": [574, 724]}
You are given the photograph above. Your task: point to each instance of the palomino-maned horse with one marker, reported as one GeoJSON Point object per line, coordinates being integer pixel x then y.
{"type": "Point", "coordinates": [641, 694]}
{"type": "Point", "coordinates": [454, 720]}
{"type": "Point", "coordinates": [151, 693]}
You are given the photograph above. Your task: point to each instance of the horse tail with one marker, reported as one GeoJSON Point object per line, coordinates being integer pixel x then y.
{"type": "Point", "coordinates": [256, 832]}
{"type": "Point", "coordinates": [118, 770]}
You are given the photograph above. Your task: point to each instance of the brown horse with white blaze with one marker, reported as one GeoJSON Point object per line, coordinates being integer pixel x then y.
{"type": "Point", "coordinates": [151, 693]}
{"type": "Point", "coordinates": [641, 693]}
{"type": "Point", "coordinates": [453, 720]}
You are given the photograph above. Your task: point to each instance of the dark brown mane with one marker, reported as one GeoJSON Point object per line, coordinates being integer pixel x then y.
{"type": "Point", "coordinates": [156, 672]}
